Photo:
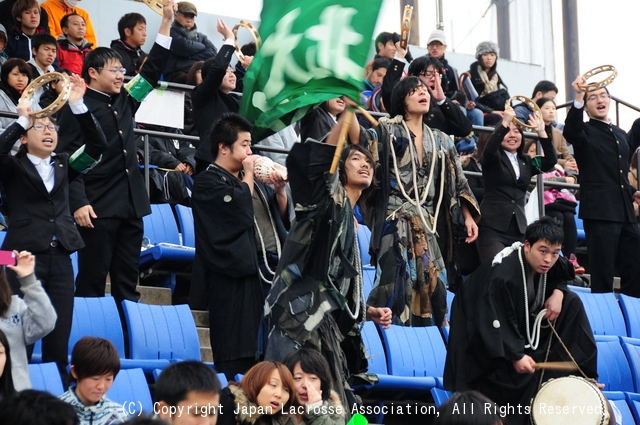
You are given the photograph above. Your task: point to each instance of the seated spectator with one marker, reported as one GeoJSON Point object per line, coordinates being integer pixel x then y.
{"type": "Point", "coordinates": [54, 10]}
{"type": "Point", "coordinates": [265, 392]}
{"type": "Point", "coordinates": [3, 45]}
{"type": "Point", "coordinates": [15, 76]}
{"type": "Point", "coordinates": [249, 51]}
{"type": "Point", "coordinates": [24, 320]}
{"type": "Point", "coordinates": [36, 408]}
{"type": "Point", "coordinates": [43, 50]}
{"type": "Point", "coordinates": [6, 380]}
{"type": "Point", "coordinates": [132, 28]}
{"type": "Point", "coordinates": [213, 97]}
{"type": "Point", "coordinates": [374, 75]}
{"type": "Point", "coordinates": [173, 187]}
{"type": "Point", "coordinates": [194, 77]}
{"type": "Point", "coordinates": [26, 13]}
{"type": "Point", "coordinates": [565, 159]}
{"type": "Point", "coordinates": [52, 92]}
{"type": "Point", "coordinates": [188, 45]}
{"type": "Point", "coordinates": [544, 89]}
{"type": "Point", "coordinates": [184, 387]}
{"type": "Point", "coordinates": [95, 363]}
{"type": "Point", "coordinates": [73, 47]}
{"type": "Point", "coordinates": [486, 80]}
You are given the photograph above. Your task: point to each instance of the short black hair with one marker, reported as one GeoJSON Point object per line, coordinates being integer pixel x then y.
{"type": "Point", "coordinates": [6, 379]}
{"type": "Point", "coordinates": [129, 21]}
{"type": "Point", "coordinates": [93, 356]}
{"type": "Point", "coordinates": [384, 38]}
{"type": "Point", "coordinates": [31, 407]}
{"type": "Point", "coordinates": [226, 130]}
{"type": "Point", "coordinates": [311, 361]}
{"type": "Point", "coordinates": [249, 49]}
{"type": "Point", "coordinates": [400, 92]}
{"type": "Point", "coordinates": [540, 102]}
{"type": "Point", "coordinates": [178, 379]}
{"type": "Point", "coordinates": [419, 65]}
{"type": "Point", "coordinates": [43, 39]}
{"type": "Point", "coordinates": [98, 58]}
{"type": "Point", "coordinates": [64, 22]}
{"type": "Point", "coordinates": [544, 229]}
{"type": "Point", "coordinates": [449, 412]}
{"type": "Point", "coordinates": [544, 86]}
{"type": "Point", "coordinates": [380, 63]}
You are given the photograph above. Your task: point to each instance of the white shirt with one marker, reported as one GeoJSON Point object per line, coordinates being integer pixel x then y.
{"type": "Point", "coordinates": [513, 158]}
{"type": "Point", "coordinates": [45, 169]}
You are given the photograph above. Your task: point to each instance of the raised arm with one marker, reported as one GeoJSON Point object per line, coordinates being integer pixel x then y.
{"type": "Point", "coordinates": [574, 124]}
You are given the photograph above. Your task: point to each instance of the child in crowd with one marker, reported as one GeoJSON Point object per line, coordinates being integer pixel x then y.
{"type": "Point", "coordinates": [6, 380]}
{"type": "Point", "coordinates": [94, 365]}
{"type": "Point", "coordinates": [23, 320]}
{"type": "Point", "coordinates": [26, 14]}
{"type": "Point", "coordinates": [73, 47]}
{"type": "Point", "coordinates": [132, 28]}
{"type": "Point", "coordinates": [263, 394]}
{"type": "Point", "coordinates": [185, 388]}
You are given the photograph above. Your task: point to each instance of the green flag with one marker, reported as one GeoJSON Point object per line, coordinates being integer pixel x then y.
{"type": "Point", "coordinates": [312, 51]}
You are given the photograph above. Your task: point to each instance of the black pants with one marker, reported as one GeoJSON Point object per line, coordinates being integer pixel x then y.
{"type": "Point", "coordinates": [490, 241]}
{"type": "Point", "coordinates": [568, 221]}
{"type": "Point", "coordinates": [612, 243]}
{"type": "Point", "coordinates": [112, 247]}
{"type": "Point", "coordinates": [55, 273]}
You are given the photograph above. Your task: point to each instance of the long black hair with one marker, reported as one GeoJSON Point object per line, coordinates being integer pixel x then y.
{"type": "Point", "coordinates": [399, 94]}
{"type": "Point", "coordinates": [346, 153]}
{"type": "Point", "coordinates": [6, 379]}
{"type": "Point", "coordinates": [7, 67]}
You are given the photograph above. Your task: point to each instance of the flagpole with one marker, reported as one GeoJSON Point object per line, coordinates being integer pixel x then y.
{"type": "Point", "coordinates": [343, 134]}
{"type": "Point", "coordinates": [368, 116]}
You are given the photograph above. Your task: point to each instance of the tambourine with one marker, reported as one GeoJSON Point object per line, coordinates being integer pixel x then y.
{"type": "Point", "coordinates": [537, 114]}
{"type": "Point", "coordinates": [263, 167]}
{"type": "Point", "coordinates": [406, 26]}
{"type": "Point", "coordinates": [156, 5]}
{"type": "Point", "coordinates": [254, 33]}
{"type": "Point", "coordinates": [39, 82]}
{"type": "Point", "coordinates": [599, 85]}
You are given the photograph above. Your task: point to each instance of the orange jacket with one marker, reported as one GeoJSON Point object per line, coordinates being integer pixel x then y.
{"type": "Point", "coordinates": [56, 10]}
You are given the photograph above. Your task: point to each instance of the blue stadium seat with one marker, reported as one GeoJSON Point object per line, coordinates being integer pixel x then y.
{"type": "Point", "coordinates": [631, 348]}
{"type": "Point", "coordinates": [579, 224]}
{"type": "Point", "coordinates": [631, 311]}
{"type": "Point", "coordinates": [223, 380]}
{"type": "Point", "coordinates": [604, 313]}
{"type": "Point", "coordinates": [185, 220]}
{"type": "Point", "coordinates": [450, 297]}
{"type": "Point", "coordinates": [46, 377]}
{"type": "Point", "coordinates": [74, 263]}
{"type": "Point", "coordinates": [613, 367]}
{"type": "Point", "coordinates": [368, 279]}
{"type": "Point", "coordinates": [579, 288]}
{"type": "Point", "coordinates": [364, 238]}
{"type": "Point", "coordinates": [418, 351]}
{"type": "Point", "coordinates": [130, 389]}
{"type": "Point", "coordinates": [161, 332]}
{"type": "Point", "coordinates": [440, 396]}
{"type": "Point", "coordinates": [620, 400]}
{"type": "Point", "coordinates": [634, 404]}
{"type": "Point", "coordinates": [3, 234]}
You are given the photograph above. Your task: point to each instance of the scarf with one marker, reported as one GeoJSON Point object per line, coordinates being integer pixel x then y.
{"type": "Point", "coordinates": [191, 34]}
{"type": "Point", "coordinates": [490, 84]}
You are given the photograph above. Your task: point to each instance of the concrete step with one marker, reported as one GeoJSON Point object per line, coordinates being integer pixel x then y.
{"type": "Point", "coordinates": [201, 317]}
{"type": "Point", "coordinates": [150, 294]}
{"type": "Point", "coordinates": [204, 337]}
{"type": "Point", "coordinates": [206, 354]}
{"type": "Point", "coordinates": [616, 281]}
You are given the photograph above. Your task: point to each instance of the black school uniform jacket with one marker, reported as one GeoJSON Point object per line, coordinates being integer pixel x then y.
{"type": "Point", "coordinates": [116, 185]}
{"type": "Point", "coordinates": [36, 216]}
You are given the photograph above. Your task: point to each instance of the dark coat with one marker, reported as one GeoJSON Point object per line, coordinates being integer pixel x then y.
{"type": "Point", "coordinates": [167, 153]}
{"type": "Point", "coordinates": [209, 103]}
{"type": "Point", "coordinates": [602, 154]}
{"type": "Point", "coordinates": [446, 117]}
{"type": "Point", "coordinates": [503, 194]}
{"type": "Point", "coordinates": [19, 44]}
{"type": "Point", "coordinates": [478, 84]}
{"type": "Point", "coordinates": [187, 48]}
{"type": "Point", "coordinates": [115, 187]}
{"type": "Point", "coordinates": [129, 55]}
{"type": "Point", "coordinates": [37, 215]}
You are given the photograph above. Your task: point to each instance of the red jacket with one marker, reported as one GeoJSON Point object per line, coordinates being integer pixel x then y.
{"type": "Point", "coordinates": [71, 56]}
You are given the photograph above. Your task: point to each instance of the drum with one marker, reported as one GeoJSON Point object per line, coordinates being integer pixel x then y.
{"type": "Point", "coordinates": [568, 401]}
{"type": "Point", "coordinates": [263, 167]}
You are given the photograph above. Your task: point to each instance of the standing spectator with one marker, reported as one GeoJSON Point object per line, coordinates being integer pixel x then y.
{"type": "Point", "coordinates": [27, 16]}
{"type": "Point", "coordinates": [486, 80]}
{"type": "Point", "coordinates": [213, 97]}
{"type": "Point", "coordinates": [240, 225]}
{"type": "Point", "coordinates": [194, 77]}
{"type": "Point", "coordinates": [544, 89]}
{"type": "Point", "coordinates": [189, 46]}
{"type": "Point", "coordinates": [606, 197]}
{"type": "Point", "coordinates": [132, 28]}
{"type": "Point", "coordinates": [54, 10]}
{"type": "Point", "coordinates": [386, 45]}
{"type": "Point", "coordinates": [108, 204]}
{"type": "Point", "coordinates": [73, 47]}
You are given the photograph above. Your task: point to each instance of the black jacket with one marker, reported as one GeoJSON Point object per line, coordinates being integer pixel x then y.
{"type": "Point", "coordinates": [187, 48]}
{"type": "Point", "coordinates": [209, 103]}
{"type": "Point", "coordinates": [115, 187]}
{"type": "Point", "coordinates": [167, 153]}
{"type": "Point", "coordinates": [129, 55]}
{"type": "Point", "coordinates": [503, 194]}
{"type": "Point", "coordinates": [478, 84]}
{"type": "Point", "coordinates": [602, 154]}
{"type": "Point", "coordinates": [36, 215]}
{"type": "Point", "coordinates": [446, 117]}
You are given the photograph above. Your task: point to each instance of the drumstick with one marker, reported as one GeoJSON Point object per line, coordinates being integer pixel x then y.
{"type": "Point", "coordinates": [556, 366]}
{"type": "Point", "coordinates": [343, 134]}
{"type": "Point", "coordinates": [368, 116]}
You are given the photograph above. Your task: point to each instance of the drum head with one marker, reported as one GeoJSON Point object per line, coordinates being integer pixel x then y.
{"type": "Point", "coordinates": [568, 401]}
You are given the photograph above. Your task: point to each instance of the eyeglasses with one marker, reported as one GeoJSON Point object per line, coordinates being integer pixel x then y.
{"type": "Point", "coordinates": [115, 70]}
{"type": "Point", "coordinates": [601, 96]}
{"type": "Point", "coordinates": [428, 73]}
{"type": "Point", "coordinates": [40, 127]}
